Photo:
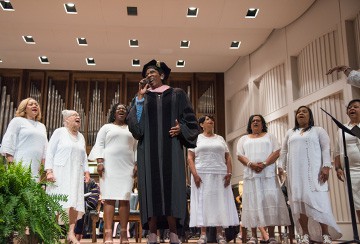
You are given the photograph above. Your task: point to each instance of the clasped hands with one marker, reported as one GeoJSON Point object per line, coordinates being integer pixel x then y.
{"type": "Point", "coordinates": [257, 167]}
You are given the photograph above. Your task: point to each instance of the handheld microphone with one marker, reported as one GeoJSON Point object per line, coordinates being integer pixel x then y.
{"type": "Point", "coordinates": [145, 81]}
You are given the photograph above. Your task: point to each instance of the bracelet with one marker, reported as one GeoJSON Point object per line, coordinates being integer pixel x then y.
{"type": "Point", "coordinates": [337, 168]}
{"type": "Point", "coordinates": [249, 164]}
{"type": "Point", "coordinates": [346, 69]}
{"type": "Point", "coordinates": [229, 174]}
{"type": "Point", "coordinates": [264, 163]}
{"type": "Point", "coordinates": [100, 163]}
{"type": "Point", "coordinates": [327, 166]}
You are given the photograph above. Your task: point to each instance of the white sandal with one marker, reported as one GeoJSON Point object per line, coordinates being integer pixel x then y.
{"type": "Point", "coordinates": [220, 239]}
{"type": "Point", "coordinates": [202, 240]}
{"type": "Point", "coordinates": [326, 239]}
{"type": "Point", "coordinates": [305, 239]}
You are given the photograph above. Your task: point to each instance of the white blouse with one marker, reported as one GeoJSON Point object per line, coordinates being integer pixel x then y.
{"type": "Point", "coordinates": [26, 141]}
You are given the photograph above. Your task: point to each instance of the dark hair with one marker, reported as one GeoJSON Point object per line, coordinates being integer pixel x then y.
{"type": "Point", "coordinates": [112, 112]}
{"type": "Point", "coordinates": [264, 127]}
{"type": "Point", "coordinates": [351, 102]}
{"type": "Point", "coordinates": [202, 119]}
{"type": "Point", "coordinates": [311, 119]}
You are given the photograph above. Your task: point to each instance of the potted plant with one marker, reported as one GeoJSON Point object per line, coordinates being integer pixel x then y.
{"type": "Point", "coordinates": [25, 207]}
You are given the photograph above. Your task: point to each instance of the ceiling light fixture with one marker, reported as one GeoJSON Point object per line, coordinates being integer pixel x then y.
{"type": "Point", "coordinates": [235, 45]}
{"type": "Point", "coordinates": [192, 12]}
{"type": "Point", "coordinates": [135, 63]}
{"type": "Point", "coordinates": [132, 11]}
{"type": "Point", "coordinates": [44, 60]}
{"type": "Point", "coordinates": [184, 44]}
{"type": "Point", "coordinates": [28, 39]}
{"type": "Point", "coordinates": [6, 5]}
{"type": "Point", "coordinates": [90, 61]}
{"type": "Point", "coordinates": [70, 8]}
{"type": "Point", "coordinates": [180, 63]}
{"type": "Point", "coordinates": [133, 43]}
{"type": "Point", "coordinates": [81, 41]}
{"type": "Point", "coordinates": [252, 13]}
{"type": "Point", "coordinates": [1, 61]}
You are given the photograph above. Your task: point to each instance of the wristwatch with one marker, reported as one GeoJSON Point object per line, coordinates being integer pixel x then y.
{"type": "Point", "coordinates": [264, 163]}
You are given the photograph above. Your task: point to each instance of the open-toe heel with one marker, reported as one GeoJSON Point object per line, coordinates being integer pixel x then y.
{"type": "Point", "coordinates": [71, 238]}
{"type": "Point", "coordinates": [123, 236]}
{"type": "Point", "coordinates": [152, 239]}
{"type": "Point", "coordinates": [174, 238]}
{"type": "Point", "coordinates": [108, 236]}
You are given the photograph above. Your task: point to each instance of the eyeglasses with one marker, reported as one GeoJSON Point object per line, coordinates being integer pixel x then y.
{"type": "Point", "coordinates": [256, 120]}
{"type": "Point", "coordinates": [121, 108]}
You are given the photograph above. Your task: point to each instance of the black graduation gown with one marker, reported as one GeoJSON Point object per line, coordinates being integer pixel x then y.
{"type": "Point", "coordinates": [160, 158]}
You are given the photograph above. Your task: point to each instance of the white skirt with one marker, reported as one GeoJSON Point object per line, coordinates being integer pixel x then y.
{"type": "Point", "coordinates": [263, 203]}
{"type": "Point", "coordinates": [212, 204]}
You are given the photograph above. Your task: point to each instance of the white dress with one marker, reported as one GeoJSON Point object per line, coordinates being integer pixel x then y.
{"type": "Point", "coordinates": [26, 141]}
{"type": "Point", "coordinates": [353, 152]}
{"type": "Point", "coordinates": [211, 204]}
{"type": "Point", "coordinates": [263, 203]}
{"type": "Point", "coordinates": [305, 154]}
{"type": "Point", "coordinates": [117, 146]}
{"type": "Point", "coordinates": [66, 156]}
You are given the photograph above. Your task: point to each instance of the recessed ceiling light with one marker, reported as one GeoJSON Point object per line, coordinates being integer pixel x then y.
{"type": "Point", "coordinates": [132, 11]}
{"type": "Point", "coordinates": [1, 61]}
{"type": "Point", "coordinates": [44, 60]}
{"type": "Point", "coordinates": [180, 63]}
{"type": "Point", "coordinates": [184, 44]}
{"type": "Point", "coordinates": [135, 62]}
{"type": "Point", "coordinates": [70, 8]}
{"type": "Point", "coordinates": [28, 39]}
{"type": "Point", "coordinates": [90, 61]}
{"type": "Point", "coordinates": [133, 43]}
{"type": "Point", "coordinates": [235, 45]}
{"type": "Point", "coordinates": [192, 12]}
{"type": "Point", "coordinates": [81, 41]}
{"type": "Point", "coordinates": [252, 13]}
{"type": "Point", "coordinates": [6, 5]}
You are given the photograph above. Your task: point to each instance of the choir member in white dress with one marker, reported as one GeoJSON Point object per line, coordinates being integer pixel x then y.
{"type": "Point", "coordinates": [306, 156]}
{"type": "Point", "coordinates": [66, 164]}
{"type": "Point", "coordinates": [25, 139]}
{"type": "Point", "coordinates": [211, 200]}
{"type": "Point", "coordinates": [114, 152]}
{"type": "Point", "coordinates": [353, 153]}
{"type": "Point", "coordinates": [353, 76]}
{"type": "Point", "coordinates": [263, 203]}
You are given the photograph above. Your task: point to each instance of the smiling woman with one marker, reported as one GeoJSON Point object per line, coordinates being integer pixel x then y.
{"type": "Point", "coordinates": [114, 152]}
{"type": "Point", "coordinates": [263, 203]}
{"type": "Point", "coordinates": [25, 139]}
{"type": "Point", "coordinates": [66, 164]}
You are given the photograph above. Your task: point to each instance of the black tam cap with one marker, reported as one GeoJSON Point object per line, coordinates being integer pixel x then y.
{"type": "Point", "coordinates": [159, 66]}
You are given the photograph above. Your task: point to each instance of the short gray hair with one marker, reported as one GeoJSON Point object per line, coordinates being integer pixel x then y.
{"type": "Point", "coordinates": [67, 113]}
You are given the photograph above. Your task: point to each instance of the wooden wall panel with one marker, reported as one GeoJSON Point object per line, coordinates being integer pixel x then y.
{"type": "Point", "coordinates": [272, 90]}
{"type": "Point", "coordinates": [240, 109]}
{"type": "Point", "coordinates": [314, 60]}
